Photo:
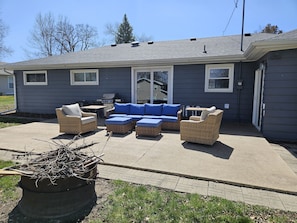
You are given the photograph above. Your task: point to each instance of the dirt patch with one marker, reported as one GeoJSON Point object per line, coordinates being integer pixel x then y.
{"type": "Point", "coordinates": [9, 211]}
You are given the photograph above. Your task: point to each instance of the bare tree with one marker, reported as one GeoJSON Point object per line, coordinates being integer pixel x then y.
{"type": "Point", "coordinates": [43, 36]}
{"type": "Point", "coordinates": [112, 30]}
{"type": "Point", "coordinates": [4, 50]}
{"type": "Point", "coordinates": [50, 37]}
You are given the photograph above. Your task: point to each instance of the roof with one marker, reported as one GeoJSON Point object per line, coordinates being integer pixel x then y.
{"type": "Point", "coordinates": [3, 71]}
{"type": "Point", "coordinates": [194, 50]}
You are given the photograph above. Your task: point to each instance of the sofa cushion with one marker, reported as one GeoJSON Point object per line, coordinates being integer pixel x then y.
{"type": "Point", "coordinates": [73, 110]}
{"type": "Point", "coordinates": [89, 119]}
{"type": "Point", "coordinates": [118, 121]}
{"type": "Point", "coordinates": [136, 109]}
{"type": "Point", "coordinates": [117, 115]}
{"type": "Point", "coordinates": [170, 109]}
{"type": "Point", "coordinates": [205, 113]}
{"type": "Point", "coordinates": [135, 117]}
{"type": "Point", "coordinates": [149, 122]}
{"type": "Point", "coordinates": [153, 109]}
{"type": "Point", "coordinates": [166, 118]}
{"type": "Point", "coordinates": [122, 108]}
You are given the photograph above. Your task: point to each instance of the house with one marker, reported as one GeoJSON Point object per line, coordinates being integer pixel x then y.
{"type": "Point", "coordinates": [253, 77]}
{"type": "Point", "coordinates": [6, 81]}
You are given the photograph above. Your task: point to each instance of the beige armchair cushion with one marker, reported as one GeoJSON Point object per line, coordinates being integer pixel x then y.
{"type": "Point", "coordinates": [205, 113]}
{"type": "Point", "coordinates": [72, 110]}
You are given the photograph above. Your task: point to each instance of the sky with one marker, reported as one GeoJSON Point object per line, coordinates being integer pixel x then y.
{"type": "Point", "coordinates": [161, 20]}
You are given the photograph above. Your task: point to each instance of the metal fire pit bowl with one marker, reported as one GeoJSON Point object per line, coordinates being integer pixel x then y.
{"type": "Point", "coordinates": [65, 200]}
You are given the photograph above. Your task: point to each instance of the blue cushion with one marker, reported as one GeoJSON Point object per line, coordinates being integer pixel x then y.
{"type": "Point", "coordinates": [171, 109]}
{"type": "Point", "coordinates": [117, 115]}
{"type": "Point", "coordinates": [153, 109]}
{"type": "Point", "coordinates": [149, 122]}
{"type": "Point", "coordinates": [122, 108]}
{"type": "Point", "coordinates": [152, 116]}
{"type": "Point", "coordinates": [117, 121]}
{"type": "Point", "coordinates": [136, 109]}
{"type": "Point", "coordinates": [166, 118]}
{"type": "Point", "coordinates": [135, 117]}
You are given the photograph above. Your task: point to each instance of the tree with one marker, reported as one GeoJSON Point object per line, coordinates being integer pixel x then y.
{"type": "Point", "coordinates": [43, 36]}
{"type": "Point", "coordinates": [115, 30]}
{"type": "Point", "coordinates": [125, 32]}
{"type": "Point", "coordinates": [50, 37]}
{"type": "Point", "coordinates": [271, 29]}
{"type": "Point", "coordinates": [3, 33]}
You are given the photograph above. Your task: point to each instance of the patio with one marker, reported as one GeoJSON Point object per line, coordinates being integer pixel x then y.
{"type": "Point", "coordinates": [240, 157]}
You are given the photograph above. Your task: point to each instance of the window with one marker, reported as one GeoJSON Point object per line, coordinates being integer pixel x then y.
{"type": "Point", "coordinates": [10, 82]}
{"type": "Point", "coordinates": [84, 77]}
{"type": "Point", "coordinates": [219, 78]}
{"type": "Point", "coordinates": [35, 78]}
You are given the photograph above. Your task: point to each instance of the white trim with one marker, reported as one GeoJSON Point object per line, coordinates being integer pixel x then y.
{"type": "Point", "coordinates": [73, 82]}
{"type": "Point", "coordinates": [230, 67]}
{"type": "Point", "coordinates": [34, 72]}
{"type": "Point", "coordinates": [152, 69]}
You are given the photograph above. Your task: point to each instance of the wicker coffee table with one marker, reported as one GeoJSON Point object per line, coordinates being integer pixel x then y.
{"type": "Point", "coordinates": [119, 125]}
{"type": "Point", "coordinates": [148, 127]}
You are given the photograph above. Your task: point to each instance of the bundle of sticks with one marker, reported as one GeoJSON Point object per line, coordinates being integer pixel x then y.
{"type": "Point", "coordinates": [62, 162]}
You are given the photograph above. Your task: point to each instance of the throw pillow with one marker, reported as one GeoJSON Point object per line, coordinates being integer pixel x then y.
{"type": "Point", "coordinates": [205, 113]}
{"type": "Point", "coordinates": [72, 109]}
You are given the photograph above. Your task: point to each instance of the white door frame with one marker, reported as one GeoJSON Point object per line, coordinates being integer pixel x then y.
{"type": "Point", "coordinates": [134, 70]}
{"type": "Point", "coordinates": [258, 104]}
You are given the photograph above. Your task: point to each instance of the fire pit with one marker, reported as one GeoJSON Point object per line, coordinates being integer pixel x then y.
{"type": "Point", "coordinates": [59, 184]}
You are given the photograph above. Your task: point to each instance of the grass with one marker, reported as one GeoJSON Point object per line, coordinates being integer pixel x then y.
{"type": "Point", "coordinates": [131, 203]}
{"type": "Point", "coordinates": [8, 183]}
{"type": "Point", "coordinates": [6, 103]}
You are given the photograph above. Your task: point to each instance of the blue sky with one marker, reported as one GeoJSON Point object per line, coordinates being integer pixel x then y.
{"type": "Point", "coordinates": [159, 19]}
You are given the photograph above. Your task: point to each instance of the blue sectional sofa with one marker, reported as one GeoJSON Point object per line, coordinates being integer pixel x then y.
{"type": "Point", "coordinates": [169, 113]}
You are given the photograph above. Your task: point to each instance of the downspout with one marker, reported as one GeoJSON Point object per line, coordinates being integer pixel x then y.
{"type": "Point", "coordinates": [239, 89]}
{"type": "Point", "coordinates": [14, 90]}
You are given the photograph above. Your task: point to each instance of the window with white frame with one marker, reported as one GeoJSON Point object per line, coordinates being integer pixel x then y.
{"type": "Point", "coordinates": [35, 77]}
{"type": "Point", "coordinates": [84, 77]}
{"type": "Point", "coordinates": [219, 77]}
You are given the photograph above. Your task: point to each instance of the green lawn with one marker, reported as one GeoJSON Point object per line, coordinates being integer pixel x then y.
{"type": "Point", "coordinates": [6, 103]}
{"type": "Point", "coordinates": [8, 183]}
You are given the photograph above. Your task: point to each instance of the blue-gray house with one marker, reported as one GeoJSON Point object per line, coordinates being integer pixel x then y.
{"type": "Point", "coordinates": [254, 80]}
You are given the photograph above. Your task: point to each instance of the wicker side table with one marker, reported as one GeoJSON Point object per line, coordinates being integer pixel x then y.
{"type": "Point", "coordinates": [121, 125]}
{"type": "Point", "coordinates": [148, 127]}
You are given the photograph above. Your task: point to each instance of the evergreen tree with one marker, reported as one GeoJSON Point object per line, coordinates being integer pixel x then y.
{"type": "Point", "coordinates": [271, 29]}
{"type": "Point", "coordinates": [125, 32]}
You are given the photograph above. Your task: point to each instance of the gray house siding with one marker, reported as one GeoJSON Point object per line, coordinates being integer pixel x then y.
{"type": "Point", "coordinates": [4, 86]}
{"type": "Point", "coordinates": [44, 99]}
{"type": "Point", "coordinates": [280, 96]}
{"type": "Point", "coordinates": [189, 81]}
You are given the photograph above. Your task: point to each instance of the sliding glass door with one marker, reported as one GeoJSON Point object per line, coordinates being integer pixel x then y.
{"type": "Point", "coordinates": [152, 85]}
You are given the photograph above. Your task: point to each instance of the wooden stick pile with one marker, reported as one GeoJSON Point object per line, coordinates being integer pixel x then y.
{"type": "Point", "coordinates": [60, 163]}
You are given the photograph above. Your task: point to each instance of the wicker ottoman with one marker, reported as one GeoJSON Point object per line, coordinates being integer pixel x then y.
{"type": "Point", "coordinates": [119, 125]}
{"type": "Point", "coordinates": [148, 127]}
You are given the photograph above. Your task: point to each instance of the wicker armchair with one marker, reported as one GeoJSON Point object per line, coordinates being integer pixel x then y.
{"type": "Point", "coordinates": [76, 124]}
{"type": "Point", "coordinates": [202, 131]}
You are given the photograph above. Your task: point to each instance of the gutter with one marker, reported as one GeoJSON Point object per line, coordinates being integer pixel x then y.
{"type": "Point", "coordinates": [14, 91]}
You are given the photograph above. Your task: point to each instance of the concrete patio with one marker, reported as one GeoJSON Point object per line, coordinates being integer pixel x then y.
{"type": "Point", "coordinates": [241, 161]}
